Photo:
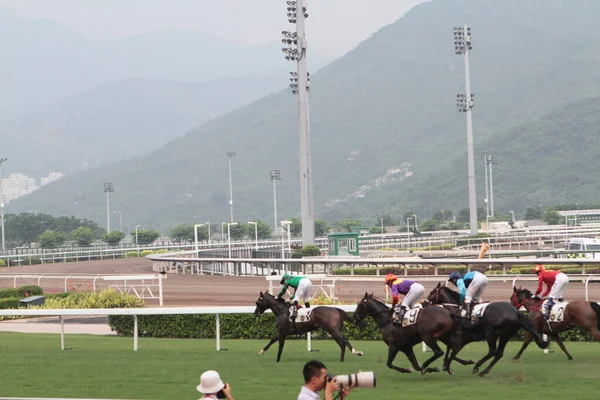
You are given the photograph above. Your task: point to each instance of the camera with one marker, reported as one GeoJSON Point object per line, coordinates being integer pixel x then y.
{"type": "Point", "coordinates": [360, 380]}
{"type": "Point", "coordinates": [221, 394]}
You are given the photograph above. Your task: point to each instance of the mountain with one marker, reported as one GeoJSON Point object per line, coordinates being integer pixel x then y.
{"type": "Point", "coordinates": [385, 129]}
{"type": "Point", "coordinates": [44, 63]}
{"type": "Point", "coordinates": [121, 119]}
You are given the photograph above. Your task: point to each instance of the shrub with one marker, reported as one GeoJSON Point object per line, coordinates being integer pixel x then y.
{"type": "Point", "coordinates": [132, 254]}
{"type": "Point", "coordinates": [30, 290]}
{"type": "Point", "coordinates": [108, 298]}
{"type": "Point", "coordinates": [9, 303]}
{"type": "Point", "coordinates": [311, 251]}
{"type": "Point", "coordinates": [57, 295]}
{"type": "Point", "coordinates": [146, 253]}
{"type": "Point", "coordinates": [2, 263]}
{"type": "Point", "coordinates": [9, 293]}
{"type": "Point", "coordinates": [34, 260]}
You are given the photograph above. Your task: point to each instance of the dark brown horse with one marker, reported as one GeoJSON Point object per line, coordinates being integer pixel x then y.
{"type": "Point", "coordinates": [330, 319]}
{"type": "Point", "coordinates": [585, 314]}
{"type": "Point", "coordinates": [500, 322]}
{"type": "Point", "coordinates": [432, 324]}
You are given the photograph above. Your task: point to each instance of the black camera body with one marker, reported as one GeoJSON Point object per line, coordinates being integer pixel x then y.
{"type": "Point", "coordinates": [221, 393]}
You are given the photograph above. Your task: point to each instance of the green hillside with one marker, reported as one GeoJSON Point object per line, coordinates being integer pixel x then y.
{"type": "Point", "coordinates": [383, 119]}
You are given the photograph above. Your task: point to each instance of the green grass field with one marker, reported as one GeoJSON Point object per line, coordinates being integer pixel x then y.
{"type": "Point", "coordinates": [106, 367]}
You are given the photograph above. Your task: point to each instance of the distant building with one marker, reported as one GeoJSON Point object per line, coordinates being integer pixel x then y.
{"type": "Point", "coordinates": [54, 176]}
{"type": "Point", "coordinates": [18, 185]}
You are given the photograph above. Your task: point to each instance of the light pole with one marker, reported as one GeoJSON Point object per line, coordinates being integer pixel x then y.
{"type": "Point", "coordinates": [223, 229]}
{"type": "Point", "coordinates": [275, 176]}
{"type": "Point", "coordinates": [2, 161]}
{"type": "Point", "coordinates": [491, 159]}
{"type": "Point", "coordinates": [464, 102]}
{"type": "Point", "coordinates": [229, 155]}
{"type": "Point", "coordinates": [381, 219]}
{"type": "Point", "coordinates": [513, 216]}
{"type": "Point", "coordinates": [296, 51]}
{"type": "Point", "coordinates": [487, 193]}
{"type": "Point", "coordinates": [229, 224]}
{"type": "Point", "coordinates": [208, 224]}
{"type": "Point", "coordinates": [255, 232]}
{"type": "Point", "coordinates": [120, 220]}
{"type": "Point", "coordinates": [416, 224]}
{"type": "Point", "coordinates": [108, 188]}
{"type": "Point", "coordinates": [196, 226]}
{"type": "Point", "coordinates": [136, 239]}
{"type": "Point", "coordinates": [288, 223]}
{"type": "Point", "coordinates": [408, 225]}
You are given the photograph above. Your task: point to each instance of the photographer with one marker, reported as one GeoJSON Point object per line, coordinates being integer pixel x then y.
{"type": "Point", "coordinates": [212, 387]}
{"type": "Point", "coordinates": [316, 379]}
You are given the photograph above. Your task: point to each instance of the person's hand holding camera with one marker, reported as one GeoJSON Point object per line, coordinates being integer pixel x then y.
{"type": "Point", "coordinates": [227, 391]}
{"type": "Point", "coordinates": [330, 388]}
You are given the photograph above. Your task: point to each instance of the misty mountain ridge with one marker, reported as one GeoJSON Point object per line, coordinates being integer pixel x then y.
{"type": "Point", "coordinates": [45, 63]}
{"type": "Point", "coordinates": [385, 132]}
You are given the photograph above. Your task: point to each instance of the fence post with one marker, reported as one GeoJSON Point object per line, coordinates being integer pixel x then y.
{"type": "Point", "coordinates": [308, 343]}
{"type": "Point", "coordinates": [62, 333]}
{"type": "Point", "coordinates": [218, 331]}
{"type": "Point", "coordinates": [160, 289]}
{"type": "Point", "coordinates": [135, 333]}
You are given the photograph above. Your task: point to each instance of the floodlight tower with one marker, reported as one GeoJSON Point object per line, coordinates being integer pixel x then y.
{"type": "Point", "coordinates": [464, 102]}
{"type": "Point", "coordinates": [296, 51]}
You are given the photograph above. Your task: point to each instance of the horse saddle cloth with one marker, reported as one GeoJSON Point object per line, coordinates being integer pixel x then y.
{"type": "Point", "coordinates": [557, 313]}
{"type": "Point", "coordinates": [410, 316]}
{"type": "Point", "coordinates": [303, 315]}
{"type": "Point", "coordinates": [479, 311]}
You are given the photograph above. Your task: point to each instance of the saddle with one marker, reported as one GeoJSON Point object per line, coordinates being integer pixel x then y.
{"type": "Point", "coordinates": [557, 313]}
{"type": "Point", "coordinates": [302, 315]}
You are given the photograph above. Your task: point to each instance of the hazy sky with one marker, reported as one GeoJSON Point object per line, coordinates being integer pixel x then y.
{"type": "Point", "coordinates": [334, 26]}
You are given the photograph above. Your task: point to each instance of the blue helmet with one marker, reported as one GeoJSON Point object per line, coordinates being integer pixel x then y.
{"type": "Point", "coordinates": [454, 276]}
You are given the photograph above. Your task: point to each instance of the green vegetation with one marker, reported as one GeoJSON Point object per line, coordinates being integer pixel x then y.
{"type": "Point", "coordinates": [101, 367]}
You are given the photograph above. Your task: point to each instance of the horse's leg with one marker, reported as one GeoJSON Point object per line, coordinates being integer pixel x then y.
{"type": "Point", "coordinates": [392, 351]}
{"type": "Point", "coordinates": [561, 345]}
{"type": "Point", "coordinates": [341, 341]}
{"type": "Point", "coordinates": [453, 351]}
{"type": "Point", "coordinates": [497, 355]}
{"type": "Point", "coordinates": [281, 343]}
{"type": "Point", "coordinates": [595, 333]}
{"type": "Point", "coordinates": [437, 353]}
{"type": "Point", "coordinates": [276, 338]}
{"type": "Point", "coordinates": [464, 362]}
{"type": "Point", "coordinates": [352, 349]}
{"type": "Point", "coordinates": [528, 337]}
{"type": "Point", "coordinates": [491, 340]}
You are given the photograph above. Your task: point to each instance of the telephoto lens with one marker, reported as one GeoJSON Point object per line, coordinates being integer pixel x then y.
{"type": "Point", "coordinates": [362, 380]}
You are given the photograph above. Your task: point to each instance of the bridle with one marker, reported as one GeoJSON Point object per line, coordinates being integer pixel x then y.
{"type": "Point", "coordinates": [516, 300]}
{"type": "Point", "coordinates": [372, 313]}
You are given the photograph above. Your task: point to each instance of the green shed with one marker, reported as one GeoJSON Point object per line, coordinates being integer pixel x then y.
{"type": "Point", "coordinates": [343, 244]}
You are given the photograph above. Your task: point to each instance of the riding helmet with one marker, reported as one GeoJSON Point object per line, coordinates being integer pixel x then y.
{"type": "Point", "coordinates": [390, 278]}
{"type": "Point", "coordinates": [454, 275]}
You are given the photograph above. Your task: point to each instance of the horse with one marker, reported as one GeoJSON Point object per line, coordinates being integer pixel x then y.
{"type": "Point", "coordinates": [584, 314]}
{"type": "Point", "coordinates": [431, 324]}
{"type": "Point", "coordinates": [500, 322]}
{"type": "Point", "coordinates": [330, 319]}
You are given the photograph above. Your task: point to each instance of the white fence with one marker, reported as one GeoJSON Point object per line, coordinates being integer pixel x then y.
{"type": "Point", "coordinates": [140, 285]}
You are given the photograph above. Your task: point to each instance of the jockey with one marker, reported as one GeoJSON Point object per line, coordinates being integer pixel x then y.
{"type": "Point", "coordinates": [471, 287]}
{"type": "Point", "coordinates": [411, 290]}
{"type": "Point", "coordinates": [302, 286]}
{"type": "Point", "coordinates": [556, 283]}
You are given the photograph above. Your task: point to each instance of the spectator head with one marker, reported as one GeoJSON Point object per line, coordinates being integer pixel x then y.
{"type": "Point", "coordinates": [315, 375]}
{"type": "Point", "coordinates": [210, 383]}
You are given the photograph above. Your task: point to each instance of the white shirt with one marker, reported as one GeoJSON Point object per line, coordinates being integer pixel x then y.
{"type": "Point", "coordinates": [307, 394]}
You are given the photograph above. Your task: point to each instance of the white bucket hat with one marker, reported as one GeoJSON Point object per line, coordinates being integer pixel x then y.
{"type": "Point", "coordinates": [210, 382]}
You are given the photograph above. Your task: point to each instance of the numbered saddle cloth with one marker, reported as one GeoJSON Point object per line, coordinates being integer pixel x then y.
{"type": "Point", "coordinates": [303, 315]}
{"type": "Point", "coordinates": [558, 311]}
{"type": "Point", "coordinates": [479, 311]}
{"type": "Point", "coordinates": [410, 316]}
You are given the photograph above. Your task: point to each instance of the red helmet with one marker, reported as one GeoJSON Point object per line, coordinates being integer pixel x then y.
{"type": "Point", "coordinates": [390, 278]}
{"type": "Point", "coordinates": [539, 268]}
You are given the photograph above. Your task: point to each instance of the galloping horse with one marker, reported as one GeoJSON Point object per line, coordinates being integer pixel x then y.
{"type": "Point", "coordinates": [499, 323]}
{"type": "Point", "coordinates": [431, 324]}
{"type": "Point", "coordinates": [330, 319]}
{"type": "Point", "coordinates": [585, 314]}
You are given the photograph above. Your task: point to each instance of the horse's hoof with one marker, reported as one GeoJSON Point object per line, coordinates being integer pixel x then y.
{"type": "Point", "coordinates": [570, 358]}
{"type": "Point", "coordinates": [436, 369]}
{"type": "Point", "coordinates": [475, 370]}
{"type": "Point", "coordinates": [450, 372]}
{"type": "Point", "coordinates": [261, 352]}
{"type": "Point", "coordinates": [424, 371]}
{"type": "Point", "coordinates": [515, 358]}
{"type": "Point", "coordinates": [481, 375]}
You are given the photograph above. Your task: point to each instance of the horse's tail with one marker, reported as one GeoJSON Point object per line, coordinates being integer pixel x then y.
{"type": "Point", "coordinates": [596, 308]}
{"type": "Point", "coordinates": [529, 327]}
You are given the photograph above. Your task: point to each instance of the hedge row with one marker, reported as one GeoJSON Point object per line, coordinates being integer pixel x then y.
{"type": "Point", "coordinates": [23, 291]}
{"type": "Point", "coordinates": [246, 326]}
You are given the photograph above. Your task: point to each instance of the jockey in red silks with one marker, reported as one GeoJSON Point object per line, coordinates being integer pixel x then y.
{"type": "Point", "coordinates": [556, 283]}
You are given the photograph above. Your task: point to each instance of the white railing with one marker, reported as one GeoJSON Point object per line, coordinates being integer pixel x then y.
{"type": "Point", "coordinates": [135, 312]}
{"type": "Point", "coordinates": [140, 286]}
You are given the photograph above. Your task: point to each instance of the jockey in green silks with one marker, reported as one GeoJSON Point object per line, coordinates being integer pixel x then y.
{"type": "Point", "coordinates": [301, 285]}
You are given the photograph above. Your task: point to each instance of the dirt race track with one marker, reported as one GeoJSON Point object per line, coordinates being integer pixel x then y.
{"type": "Point", "coordinates": [206, 290]}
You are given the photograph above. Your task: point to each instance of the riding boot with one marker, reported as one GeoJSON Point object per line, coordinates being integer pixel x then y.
{"type": "Point", "coordinates": [399, 314]}
{"type": "Point", "coordinates": [548, 308]}
{"type": "Point", "coordinates": [294, 311]}
{"type": "Point", "coordinates": [467, 318]}
{"type": "Point", "coordinates": [307, 304]}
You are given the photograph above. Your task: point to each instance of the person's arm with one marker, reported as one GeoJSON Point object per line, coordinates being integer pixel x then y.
{"type": "Point", "coordinates": [283, 289]}
{"type": "Point", "coordinates": [463, 290]}
{"type": "Point", "coordinates": [330, 388]}
{"type": "Point", "coordinates": [344, 393]}
{"type": "Point", "coordinates": [540, 283]}
{"type": "Point", "coordinates": [227, 391]}
{"type": "Point", "coordinates": [395, 298]}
